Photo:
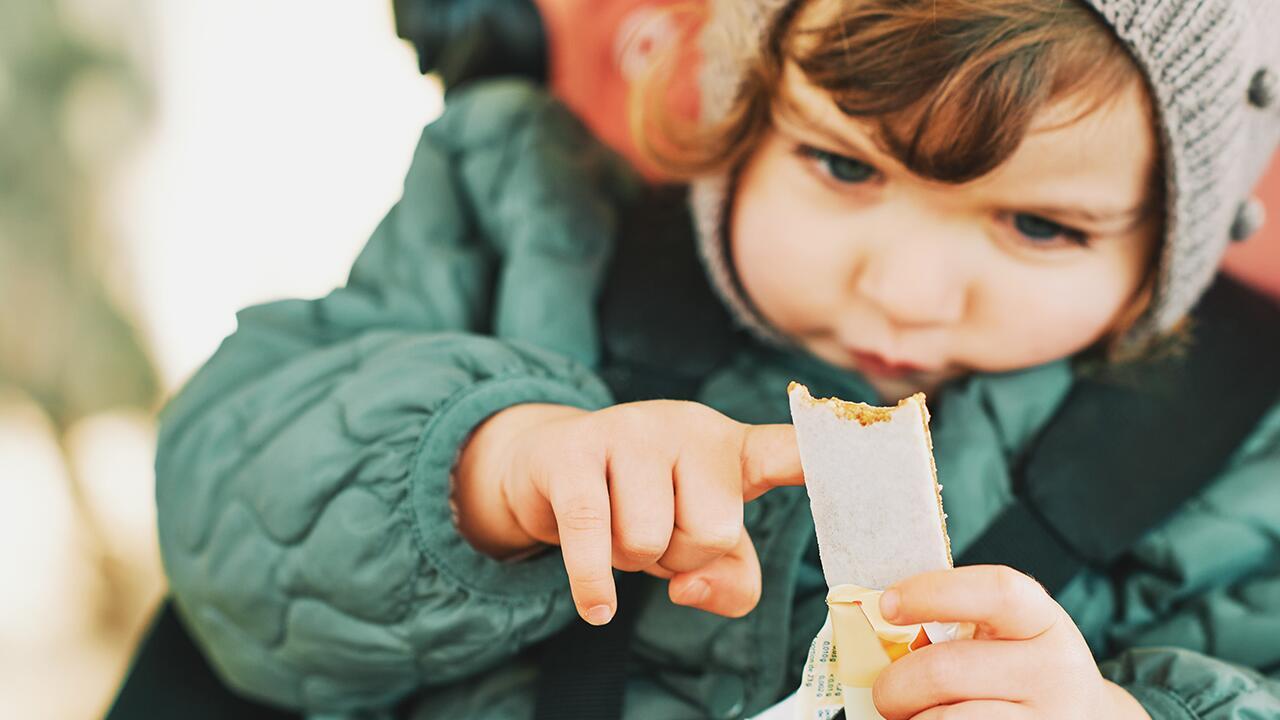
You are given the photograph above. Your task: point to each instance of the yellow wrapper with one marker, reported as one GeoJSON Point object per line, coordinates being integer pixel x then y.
{"type": "Point", "coordinates": [853, 647]}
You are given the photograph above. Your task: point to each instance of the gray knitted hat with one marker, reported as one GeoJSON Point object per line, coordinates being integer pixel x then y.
{"type": "Point", "coordinates": [1214, 68]}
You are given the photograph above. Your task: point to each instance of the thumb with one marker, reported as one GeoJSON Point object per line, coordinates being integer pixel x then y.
{"type": "Point", "coordinates": [728, 585]}
{"type": "Point", "coordinates": [770, 459]}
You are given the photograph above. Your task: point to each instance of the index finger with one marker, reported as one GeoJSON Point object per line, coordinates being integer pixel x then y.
{"type": "Point", "coordinates": [580, 501]}
{"type": "Point", "coordinates": [770, 459]}
{"type": "Point", "coordinates": [1002, 602]}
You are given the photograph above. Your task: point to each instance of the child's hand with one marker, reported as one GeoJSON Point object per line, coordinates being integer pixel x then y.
{"type": "Point", "coordinates": [1027, 660]}
{"type": "Point", "coordinates": [655, 486]}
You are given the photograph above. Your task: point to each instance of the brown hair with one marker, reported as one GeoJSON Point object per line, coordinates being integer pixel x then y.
{"type": "Point", "coordinates": [952, 86]}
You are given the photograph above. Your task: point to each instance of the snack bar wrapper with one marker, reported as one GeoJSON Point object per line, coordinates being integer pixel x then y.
{"type": "Point", "coordinates": [849, 652]}
{"type": "Point", "coordinates": [877, 512]}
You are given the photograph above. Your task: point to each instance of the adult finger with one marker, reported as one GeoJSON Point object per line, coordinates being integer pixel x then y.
{"type": "Point", "coordinates": [728, 586]}
{"type": "Point", "coordinates": [1002, 602]}
{"type": "Point", "coordinates": [581, 504]}
{"type": "Point", "coordinates": [770, 459]}
{"type": "Point", "coordinates": [708, 507]}
{"type": "Point", "coordinates": [976, 710]}
{"type": "Point", "coordinates": [642, 503]}
{"type": "Point", "coordinates": [957, 671]}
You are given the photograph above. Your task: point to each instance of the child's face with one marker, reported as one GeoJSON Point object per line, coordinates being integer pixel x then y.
{"type": "Point", "coordinates": [913, 282]}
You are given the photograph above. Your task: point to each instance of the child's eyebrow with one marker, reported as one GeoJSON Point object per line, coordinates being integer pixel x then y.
{"type": "Point", "coordinates": [792, 112]}
{"type": "Point", "coordinates": [1131, 217]}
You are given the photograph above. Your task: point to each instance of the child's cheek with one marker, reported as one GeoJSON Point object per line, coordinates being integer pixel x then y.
{"type": "Point", "coordinates": [785, 242]}
{"type": "Point", "coordinates": [763, 266]}
{"type": "Point", "coordinates": [779, 259]}
{"type": "Point", "coordinates": [1051, 316]}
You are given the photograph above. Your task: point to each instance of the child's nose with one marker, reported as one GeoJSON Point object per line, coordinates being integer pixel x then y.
{"type": "Point", "coordinates": [914, 281]}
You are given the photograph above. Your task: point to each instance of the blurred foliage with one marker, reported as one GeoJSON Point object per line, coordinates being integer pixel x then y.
{"type": "Point", "coordinates": [70, 103]}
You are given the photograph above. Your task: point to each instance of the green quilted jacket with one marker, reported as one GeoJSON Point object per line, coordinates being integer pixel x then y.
{"type": "Point", "coordinates": [303, 474]}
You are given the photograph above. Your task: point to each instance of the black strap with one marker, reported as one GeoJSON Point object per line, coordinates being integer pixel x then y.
{"type": "Point", "coordinates": [1171, 427]}
{"type": "Point", "coordinates": [583, 670]}
{"type": "Point", "coordinates": [663, 328]}
{"type": "Point", "coordinates": [664, 332]}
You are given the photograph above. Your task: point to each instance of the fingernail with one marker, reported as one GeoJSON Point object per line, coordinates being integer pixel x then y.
{"type": "Point", "coordinates": [889, 603]}
{"type": "Point", "coordinates": [695, 593]}
{"type": "Point", "coordinates": [599, 615]}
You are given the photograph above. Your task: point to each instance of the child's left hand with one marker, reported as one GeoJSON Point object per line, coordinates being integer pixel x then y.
{"type": "Point", "coordinates": [1027, 659]}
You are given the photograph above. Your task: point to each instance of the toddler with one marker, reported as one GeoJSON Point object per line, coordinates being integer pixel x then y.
{"type": "Point", "coordinates": [381, 503]}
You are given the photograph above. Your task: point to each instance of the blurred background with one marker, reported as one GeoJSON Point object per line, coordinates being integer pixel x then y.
{"type": "Point", "coordinates": [164, 163]}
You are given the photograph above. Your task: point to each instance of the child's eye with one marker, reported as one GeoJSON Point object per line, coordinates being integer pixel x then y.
{"type": "Point", "coordinates": [1045, 232]}
{"type": "Point", "coordinates": [842, 169]}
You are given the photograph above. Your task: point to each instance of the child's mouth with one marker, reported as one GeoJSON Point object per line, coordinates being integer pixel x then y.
{"type": "Point", "coordinates": [877, 366]}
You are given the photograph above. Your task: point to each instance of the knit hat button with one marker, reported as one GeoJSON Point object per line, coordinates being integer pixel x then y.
{"type": "Point", "coordinates": [1263, 88]}
{"type": "Point", "coordinates": [1249, 220]}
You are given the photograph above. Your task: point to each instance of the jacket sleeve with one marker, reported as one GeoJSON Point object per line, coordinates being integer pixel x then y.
{"type": "Point", "coordinates": [303, 473]}
{"type": "Point", "coordinates": [1201, 635]}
